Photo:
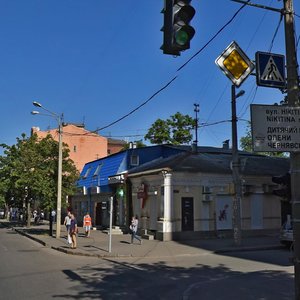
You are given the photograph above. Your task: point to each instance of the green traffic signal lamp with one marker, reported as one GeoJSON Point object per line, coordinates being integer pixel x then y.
{"type": "Point", "coordinates": [120, 192]}
{"type": "Point", "coordinates": [183, 13]}
{"type": "Point", "coordinates": [183, 36]}
{"type": "Point", "coordinates": [177, 30]}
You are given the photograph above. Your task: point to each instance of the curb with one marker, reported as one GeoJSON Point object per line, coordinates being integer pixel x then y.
{"type": "Point", "coordinates": [67, 251]}
{"type": "Point", "coordinates": [31, 237]}
{"type": "Point", "coordinates": [250, 248]}
{"type": "Point", "coordinates": [60, 249]}
{"type": "Point", "coordinates": [111, 255]}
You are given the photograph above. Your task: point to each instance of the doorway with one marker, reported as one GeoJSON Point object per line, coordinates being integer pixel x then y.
{"type": "Point", "coordinates": [187, 214]}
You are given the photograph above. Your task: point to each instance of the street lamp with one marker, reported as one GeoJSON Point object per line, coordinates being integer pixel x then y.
{"type": "Point", "coordinates": [58, 118]}
{"type": "Point", "coordinates": [235, 170]}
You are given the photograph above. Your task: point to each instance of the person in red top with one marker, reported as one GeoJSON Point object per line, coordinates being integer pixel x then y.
{"type": "Point", "coordinates": [87, 224]}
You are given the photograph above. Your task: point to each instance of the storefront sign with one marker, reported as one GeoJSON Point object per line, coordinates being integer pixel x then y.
{"type": "Point", "coordinates": [116, 179]}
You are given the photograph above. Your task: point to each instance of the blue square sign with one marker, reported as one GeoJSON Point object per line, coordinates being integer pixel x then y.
{"type": "Point", "coordinates": [270, 70]}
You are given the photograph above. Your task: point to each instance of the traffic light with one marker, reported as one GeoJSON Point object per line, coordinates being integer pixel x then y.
{"type": "Point", "coordinates": [285, 186]}
{"type": "Point", "coordinates": [120, 192]}
{"type": "Point", "coordinates": [177, 30]}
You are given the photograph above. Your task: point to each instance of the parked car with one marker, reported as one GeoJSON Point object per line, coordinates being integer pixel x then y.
{"type": "Point", "coordinates": [286, 234]}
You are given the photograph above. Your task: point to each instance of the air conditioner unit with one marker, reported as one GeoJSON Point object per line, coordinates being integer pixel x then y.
{"type": "Point", "coordinates": [207, 198]}
{"type": "Point", "coordinates": [246, 189]}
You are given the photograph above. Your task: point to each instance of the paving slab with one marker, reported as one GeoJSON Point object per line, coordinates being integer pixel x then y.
{"type": "Point", "coordinates": [97, 245]}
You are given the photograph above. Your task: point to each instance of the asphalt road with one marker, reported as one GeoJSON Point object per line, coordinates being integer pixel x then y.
{"type": "Point", "coordinates": [30, 271]}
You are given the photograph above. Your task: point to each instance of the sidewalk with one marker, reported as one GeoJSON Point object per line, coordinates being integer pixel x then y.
{"type": "Point", "coordinates": [97, 245]}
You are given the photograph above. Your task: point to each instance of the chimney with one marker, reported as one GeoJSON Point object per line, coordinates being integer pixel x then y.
{"type": "Point", "coordinates": [226, 145]}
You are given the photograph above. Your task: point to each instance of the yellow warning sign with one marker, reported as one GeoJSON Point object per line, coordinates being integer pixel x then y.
{"type": "Point", "coordinates": [235, 64]}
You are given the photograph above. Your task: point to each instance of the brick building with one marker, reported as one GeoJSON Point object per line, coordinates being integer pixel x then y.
{"type": "Point", "coordinates": [84, 145]}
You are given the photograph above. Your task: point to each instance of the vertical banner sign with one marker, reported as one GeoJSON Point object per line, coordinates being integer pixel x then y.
{"type": "Point", "coordinates": [224, 212]}
{"type": "Point", "coordinates": [275, 128]}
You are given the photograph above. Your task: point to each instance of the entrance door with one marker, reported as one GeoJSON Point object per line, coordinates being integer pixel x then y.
{"type": "Point", "coordinates": [187, 214]}
{"type": "Point", "coordinates": [257, 211]}
{"type": "Point", "coordinates": [102, 214]}
{"type": "Point", "coordinates": [98, 214]}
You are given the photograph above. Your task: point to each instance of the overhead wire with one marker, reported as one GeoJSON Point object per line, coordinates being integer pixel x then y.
{"type": "Point", "coordinates": [175, 77]}
{"type": "Point", "coordinates": [164, 87]}
{"type": "Point", "coordinates": [213, 37]}
{"type": "Point", "coordinates": [138, 107]}
{"type": "Point", "coordinates": [246, 106]}
{"type": "Point", "coordinates": [225, 88]}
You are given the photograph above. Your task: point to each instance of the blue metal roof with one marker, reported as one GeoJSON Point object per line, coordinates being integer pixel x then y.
{"type": "Point", "coordinates": [96, 173]}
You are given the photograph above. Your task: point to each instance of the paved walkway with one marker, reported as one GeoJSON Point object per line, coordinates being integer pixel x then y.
{"type": "Point", "coordinates": [97, 244]}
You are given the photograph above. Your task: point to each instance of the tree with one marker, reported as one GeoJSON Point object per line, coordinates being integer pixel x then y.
{"type": "Point", "coordinates": [246, 144]}
{"type": "Point", "coordinates": [246, 141]}
{"type": "Point", "coordinates": [176, 130]}
{"type": "Point", "coordinates": [29, 171]}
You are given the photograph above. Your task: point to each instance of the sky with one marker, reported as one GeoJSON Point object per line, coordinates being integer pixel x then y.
{"type": "Point", "coordinates": [97, 62]}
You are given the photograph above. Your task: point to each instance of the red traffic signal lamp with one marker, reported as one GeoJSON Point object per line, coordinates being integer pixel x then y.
{"type": "Point", "coordinates": [285, 186]}
{"type": "Point", "coordinates": [177, 29]}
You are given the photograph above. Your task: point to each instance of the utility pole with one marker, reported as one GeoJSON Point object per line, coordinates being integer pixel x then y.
{"type": "Point", "coordinates": [237, 226]}
{"type": "Point", "coordinates": [111, 199]}
{"type": "Point", "coordinates": [293, 100]}
{"type": "Point", "coordinates": [59, 178]}
{"type": "Point", "coordinates": [196, 110]}
{"type": "Point", "coordinates": [293, 94]}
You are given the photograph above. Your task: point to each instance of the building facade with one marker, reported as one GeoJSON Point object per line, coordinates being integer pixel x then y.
{"type": "Point", "coordinates": [184, 194]}
{"type": "Point", "coordinates": [84, 145]}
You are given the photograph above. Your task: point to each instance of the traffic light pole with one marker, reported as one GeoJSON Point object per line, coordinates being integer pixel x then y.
{"type": "Point", "coordinates": [293, 100]}
{"type": "Point", "coordinates": [237, 226]}
{"type": "Point", "coordinates": [293, 94]}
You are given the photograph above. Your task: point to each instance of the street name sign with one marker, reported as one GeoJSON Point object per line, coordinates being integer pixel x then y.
{"type": "Point", "coordinates": [275, 128]}
{"type": "Point", "coordinates": [270, 70]}
{"type": "Point", "coordinates": [235, 64]}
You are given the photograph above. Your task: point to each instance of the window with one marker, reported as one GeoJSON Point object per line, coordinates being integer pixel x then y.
{"type": "Point", "coordinates": [75, 148]}
{"type": "Point", "coordinates": [87, 172]}
{"type": "Point", "coordinates": [97, 171]}
{"type": "Point", "coordinates": [134, 160]}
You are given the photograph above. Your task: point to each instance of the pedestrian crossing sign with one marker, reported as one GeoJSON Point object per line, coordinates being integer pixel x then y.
{"type": "Point", "coordinates": [270, 70]}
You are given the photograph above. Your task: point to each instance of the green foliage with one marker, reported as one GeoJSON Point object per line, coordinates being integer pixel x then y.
{"type": "Point", "coordinates": [246, 144]}
{"type": "Point", "coordinates": [176, 130]}
{"type": "Point", "coordinates": [29, 170]}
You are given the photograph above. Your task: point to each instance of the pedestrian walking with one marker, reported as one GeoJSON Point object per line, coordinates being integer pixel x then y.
{"type": "Point", "coordinates": [67, 223]}
{"type": "Point", "coordinates": [87, 224]}
{"type": "Point", "coordinates": [133, 228]}
{"type": "Point", "coordinates": [73, 231]}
